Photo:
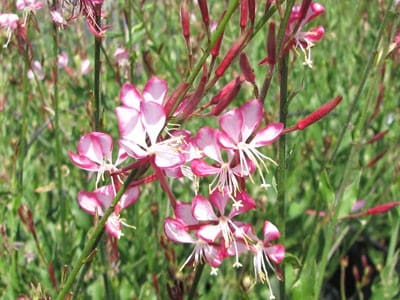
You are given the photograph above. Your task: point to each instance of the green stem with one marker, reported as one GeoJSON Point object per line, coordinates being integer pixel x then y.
{"type": "Point", "coordinates": [281, 178]}
{"type": "Point", "coordinates": [279, 44]}
{"type": "Point", "coordinates": [93, 239]}
{"type": "Point", "coordinates": [196, 281]}
{"type": "Point", "coordinates": [58, 149]}
{"type": "Point", "coordinates": [97, 68]}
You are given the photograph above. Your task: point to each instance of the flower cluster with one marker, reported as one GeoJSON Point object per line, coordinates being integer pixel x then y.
{"type": "Point", "coordinates": [225, 157]}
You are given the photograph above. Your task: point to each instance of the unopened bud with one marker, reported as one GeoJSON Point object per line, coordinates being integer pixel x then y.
{"type": "Point", "coordinates": [246, 68]}
{"type": "Point", "coordinates": [271, 46]}
{"type": "Point", "coordinates": [383, 208]}
{"type": "Point", "coordinates": [225, 96]}
{"type": "Point", "coordinates": [204, 12]}
{"type": "Point", "coordinates": [377, 136]}
{"type": "Point", "coordinates": [194, 100]}
{"type": "Point", "coordinates": [231, 55]}
{"type": "Point", "coordinates": [319, 113]}
{"type": "Point", "coordinates": [252, 11]}
{"type": "Point", "coordinates": [179, 93]}
{"type": "Point", "coordinates": [244, 9]}
{"type": "Point", "coordinates": [215, 50]}
{"type": "Point", "coordinates": [376, 159]}
{"type": "Point", "coordinates": [185, 21]}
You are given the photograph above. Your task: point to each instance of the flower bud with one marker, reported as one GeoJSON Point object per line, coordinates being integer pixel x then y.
{"type": "Point", "coordinates": [231, 55]}
{"type": "Point", "coordinates": [215, 50]}
{"type": "Point", "coordinates": [185, 21]}
{"type": "Point", "coordinates": [244, 9]}
{"type": "Point", "coordinates": [383, 208]}
{"type": "Point", "coordinates": [377, 136]}
{"type": "Point", "coordinates": [376, 158]}
{"type": "Point", "coordinates": [246, 68]}
{"type": "Point", "coordinates": [252, 11]}
{"type": "Point", "coordinates": [225, 96]}
{"type": "Point", "coordinates": [319, 113]}
{"type": "Point", "coordinates": [204, 12]}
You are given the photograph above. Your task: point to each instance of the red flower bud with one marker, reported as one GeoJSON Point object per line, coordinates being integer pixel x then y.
{"type": "Point", "coordinates": [377, 136]}
{"type": "Point", "coordinates": [215, 50]}
{"type": "Point", "coordinates": [204, 12]}
{"type": "Point", "coordinates": [252, 10]}
{"type": "Point", "coordinates": [225, 96]}
{"type": "Point", "coordinates": [376, 158]}
{"type": "Point", "coordinates": [194, 100]}
{"type": "Point", "coordinates": [185, 21]}
{"type": "Point", "coordinates": [378, 102]}
{"type": "Point", "coordinates": [231, 55]}
{"type": "Point", "coordinates": [246, 68]}
{"type": "Point", "coordinates": [271, 47]}
{"type": "Point", "coordinates": [179, 93]}
{"type": "Point", "coordinates": [319, 113]}
{"type": "Point", "coordinates": [383, 208]}
{"type": "Point", "coordinates": [244, 9]}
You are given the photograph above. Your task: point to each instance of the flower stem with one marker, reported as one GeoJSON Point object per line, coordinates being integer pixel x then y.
{"type": "Point", "coordinates": [93, 239]}
{"type": "Point", "coordinates": [283, 113]}
{"type": "Point", "coordinates": [58, 149]}
{"type": "Point", "coordinates": [97, 66]}
{"type": "Point", "coordinates": [196, 281]}
{"type": "Point", "coordinates": [281, 178]}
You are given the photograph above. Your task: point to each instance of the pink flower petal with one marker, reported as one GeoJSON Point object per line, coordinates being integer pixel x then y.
{"type": "Point", "coordinates": [219, 200]}
{"type": "Point", "coordinates": [128, 123]}
{"type": "Point", "coordinates": [175, 230]}
{"type": "Point", "coordinates": [231, 123]}
{"type": "Point", "coordinates": [315, 34]}
{"type": "Point", "coordinates": [271, 232]}
{"type": "Point", "coordinates": [206, 141]}
{"type": "Point", "coordinates": [83, 162]}
{"type": "Point", "coordinates": [202, 209]}
{"type": "Point", "coordinates": [130, 196]}
{"type": "Point", "coordinates": [105, 195]}
{"type": "Point", "coordinates": [213, 255]}
{"type": "Point", "coordinates": [89, 203]}
{"type": "Point", "coordinates": [209, 233]}
{"type": "Point", "coordinates": [201, 168]}
{"type": "Point", "coordinates": [169, 158]}
{"type": "Point", "coordinates": [132, 149]}
{"type": "Point", "coordinates": [275, 253]}
{"type": "Point", "coordinates": [252, 113]}
{"type": "Point", "coordinates": [155, 90]}
{"type": "Point", "coordinates": [183, 211]}
{"type": "Point", "coordinates": [96, 146]}
{"type": "Point", "coordinates": [247, 204]}
{"type": "Point", "coordinates": [130, 96]}
{"type": "Point", "coordinates": [267, 135]}
{"type": "Point", "coordinates": [153, 118]}
{"type": "Point", "coordinates": [114, 226]}
{"type": "Point", "coordinates": [225, 141]}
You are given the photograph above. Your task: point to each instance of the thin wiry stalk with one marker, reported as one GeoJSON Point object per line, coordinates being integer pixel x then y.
{"type": "Point", "coordinates": [93, 240]}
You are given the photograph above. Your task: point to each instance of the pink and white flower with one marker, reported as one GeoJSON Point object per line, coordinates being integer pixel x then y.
{"type": "Point", "coordinates": [221, 225]}
{"type": "Point", "coordinates": [95, 154]}
{"type": "Point", "coordinates": [225, 175]}
{"type": "Point", "coordinates": [178, 230]}
{"type": "Point", "coordinates": [9, 22]}
{"type": "Point", "coordinates": [36, 71]}
{"type": "Point", "coordinates": [95, 203]}
{"type": "Point", "coordinates": [239, 133]}
{"type": "Point", "coordinates": [141, 120]}
{"type": "Point", "coordinates": [304, 40]}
